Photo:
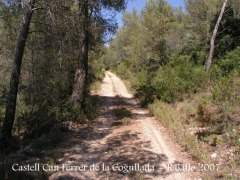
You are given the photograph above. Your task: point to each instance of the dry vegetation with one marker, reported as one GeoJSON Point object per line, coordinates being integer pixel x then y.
{"type": "Point", "coordinates": [204, 130]}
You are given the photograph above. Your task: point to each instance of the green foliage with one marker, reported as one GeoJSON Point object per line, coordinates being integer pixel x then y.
{"type": "Point", "coordinates": [146, 39]}
{"type": "Point", "coordinates": [229, 32]}
{"type": "Point", "coordinates": [201, 14]}
{"type": "Point", "coordinates": [228, 90]}
{"type": "Point", "coordinates": [49, 64]}
{"type": "Point", "coordinates": [146, 52]}
{"type": "Point", "coordinates": [122, 113]}
{"type": "Point", "coordinates": [172, 83]}
{"type": "Point", "coordinates": [122, 70]}
{"type": "Point", "coordinates": [160, 109]}
{"type": "Point", "coordinates": [38, 122]}
{"type": "Point", "coordinates": [206, 113]}
{"type": "Point", "coordinates": [198, 57]}
{"type": "Point", "coordinates": [50, 139]}
{"type": "Point", "coordinates": [126, 121]}
{"type": "Point", "coordinates": [180, 81]}
{"type": "Point", "coordinates": [233, 136]}
{"type": "Point", "coordinates": [162, 52]}
{"type": "Point", "coordinates": [172, 119]}
{"type": "Point", "coordinates": [225, 74]}
{"type": "Point", "coordinates": [91, 107]}
{"type": "Point", "coordinates": [52, 157]}
{"type": "Point", "coordinates": [69, 113]}
{"type": "Point", "coordinates": [146, 94]}
{"type": "Point", "coordinates": [230, 62]}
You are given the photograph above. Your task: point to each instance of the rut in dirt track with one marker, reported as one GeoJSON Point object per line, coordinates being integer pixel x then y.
{"type": "Point", "coordinates": [107, 141]}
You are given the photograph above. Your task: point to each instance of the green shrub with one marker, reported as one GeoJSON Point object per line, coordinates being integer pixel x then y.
{"type": "Point", "coordinates": [126, 121]}
{"type": "Point", "coordinates": [122, 113]}
{"type": "Point", "coordinates": [174, 83]}
{"type": "Point", "coordinates": [198, 57]}
{"type": "Point", "coordinates": [38, 122]}
{"type": "Point", "coordinates": [67, 112]}
{"type": "Point", "coordinates": [123, 70]}
{"type": "Point", "coordinates": [228, 90]}
{"type": "Point", "coordinates": [95, 86]}
{"type": "Point", "coordinates": [206, 113]}
{"type": "Point", "coordinates": [52, 157]}
{"type": "Point", "coordinates": [146, 94]}
{"type": "Point", "coordinates": [166, 114]}
{"type": "Point", "coordinates": [232, 136]}
{"type": "Point", "coordinates": [172, 120]}
{"type": "Point", "coordinates": [170, 83]}
{"type": "Point", "coordinates": [91, 107]}
{"type": "Point", "coordinates": [223, 67]}
{"type": "Point", "coordinates": [50, 139]}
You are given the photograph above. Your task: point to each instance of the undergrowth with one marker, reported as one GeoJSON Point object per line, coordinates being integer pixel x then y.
{"type": "Point", "coordinates": [203, 128]}
{"type": "Point", "coordinates": [201, 110]}
{"type": "Point", "coordinates": [171, 119]}
{"type": "Point", "coordinates": [122, 113]}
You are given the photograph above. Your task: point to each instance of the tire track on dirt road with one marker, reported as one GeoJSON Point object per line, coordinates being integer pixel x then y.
{"type": "Point", "coordinates": [123, 148]}
{"type": "Point", "coordinates": [147, 126]}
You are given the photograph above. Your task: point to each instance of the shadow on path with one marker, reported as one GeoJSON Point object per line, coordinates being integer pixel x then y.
{"type": "Point", "coordinates": [99, 144]}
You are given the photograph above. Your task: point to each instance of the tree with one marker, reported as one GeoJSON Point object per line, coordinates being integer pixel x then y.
{"type": "Point", "coordinates": [14, 82]}
{"type": "Point", "coordinates": [58, 45]}
{"type": "Point", "coordinates": [201, 13]}
{"type": "Point", "coordinates": [82, 70]}
{"type": "Point", "coordinates": [228, 32]}
{"type": "Point", "coordinates": [147, 37]}
{"type": "Point", "coordinates": [90, 12]}
{"type": "Point", "coordinates": [212, 43]}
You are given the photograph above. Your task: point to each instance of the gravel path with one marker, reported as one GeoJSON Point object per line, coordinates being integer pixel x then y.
{"type": "Point", "coordinates": [140, 149]}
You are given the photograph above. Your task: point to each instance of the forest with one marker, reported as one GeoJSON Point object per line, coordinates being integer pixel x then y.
{"type": "Point", "coordinates": [182, 63]}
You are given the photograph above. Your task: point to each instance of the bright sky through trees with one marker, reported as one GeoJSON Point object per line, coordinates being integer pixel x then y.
{"type": "Point", "coordinates": [139, 4]}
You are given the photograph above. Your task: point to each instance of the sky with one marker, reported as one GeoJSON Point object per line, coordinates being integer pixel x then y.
{"type": "Point", "coordinates": [139, 4]}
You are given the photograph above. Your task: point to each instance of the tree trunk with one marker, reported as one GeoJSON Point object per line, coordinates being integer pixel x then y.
{"type": "Point", "coordinates": [81, 73]}
{"type": "Point", "coordinates": [212, 43]}
{"type": "Point", "coordinates": [12, 97]}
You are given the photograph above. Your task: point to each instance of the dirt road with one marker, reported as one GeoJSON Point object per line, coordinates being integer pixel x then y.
{"type": "Point", "coordinates": [108, 149]}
